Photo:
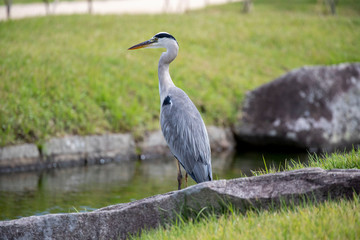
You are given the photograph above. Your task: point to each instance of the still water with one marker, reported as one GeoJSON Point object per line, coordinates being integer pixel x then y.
{"type": "Point", "coordinates": [87, 188]}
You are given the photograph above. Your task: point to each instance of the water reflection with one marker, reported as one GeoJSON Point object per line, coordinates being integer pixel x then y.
{"type": "Point", "coordinates": [91, 187]}
{"type": "Point", "coordinates": [68, 179]}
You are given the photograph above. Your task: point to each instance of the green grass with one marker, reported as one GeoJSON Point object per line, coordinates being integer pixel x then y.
{"type": "Point", "coordinates": [337, 160]}
{"type": "Point", "coordinates": [73, 74]}
{"type": "Point", "coordinates": [328, 220]}
{"type": "Point", "coordinates": [308, 220]}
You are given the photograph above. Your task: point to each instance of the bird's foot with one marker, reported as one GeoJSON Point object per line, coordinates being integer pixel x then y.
{"type": "Point", "coordinates": [179, 178]}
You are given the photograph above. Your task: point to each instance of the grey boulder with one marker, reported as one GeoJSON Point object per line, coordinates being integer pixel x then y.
{"type": "Point", "coordinates": [315, 108]}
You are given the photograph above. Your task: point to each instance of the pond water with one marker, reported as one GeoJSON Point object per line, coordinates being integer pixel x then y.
{"type": "Point", "coordinates": [87, 188]}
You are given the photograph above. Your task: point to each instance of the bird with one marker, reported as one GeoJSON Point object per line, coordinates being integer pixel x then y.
{"type": "Point", "coordinates": [181, 123]}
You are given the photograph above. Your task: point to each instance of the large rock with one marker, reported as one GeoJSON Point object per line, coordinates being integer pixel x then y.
{"type": "Point", "coordinates": [119, 221]}
{"type": "Point", "coordinates": [317, 108]}
{"type": "Point", "coordinates": [91, 149]}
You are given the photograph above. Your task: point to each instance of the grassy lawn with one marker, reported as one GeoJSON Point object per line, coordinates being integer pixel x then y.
{"type": "Point", "coordinates": [328, 220]}
{"type": "Point", "coordinates": [347, 160]}
{"type": "Point", "coordinates": [73, 74]}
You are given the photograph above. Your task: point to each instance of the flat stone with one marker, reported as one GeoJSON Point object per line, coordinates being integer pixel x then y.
{"type": "Point", "coordinates": [221, 139]}
{"type": "Point", "coordinates": [154, 145]}
{"type": "Point", "coordinates": [122, 220]}
{"type": "Point", "coordinates": [116, 147]}
{"type": "Point", "coordinates": [13, 156]}
{"type": "Point", "coordinates": [99, 149]}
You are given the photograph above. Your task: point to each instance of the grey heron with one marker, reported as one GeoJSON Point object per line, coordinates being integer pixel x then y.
{"type": "Point", "coordinates": [181, 123]}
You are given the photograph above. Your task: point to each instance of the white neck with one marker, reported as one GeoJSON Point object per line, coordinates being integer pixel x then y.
{"type": "Point", "coordinates": [165, 82]}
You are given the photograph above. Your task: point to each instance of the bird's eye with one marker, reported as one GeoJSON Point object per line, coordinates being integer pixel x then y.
{"type": "Point", "coordinates": [153, 40]}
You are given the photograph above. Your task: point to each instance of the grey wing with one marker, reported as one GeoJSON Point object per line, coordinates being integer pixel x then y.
{"type": "Point", "coordinates": [185, 133]}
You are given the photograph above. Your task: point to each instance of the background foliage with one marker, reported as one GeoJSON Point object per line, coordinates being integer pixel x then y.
{"type": "Point", "coordinates": [73, 74]}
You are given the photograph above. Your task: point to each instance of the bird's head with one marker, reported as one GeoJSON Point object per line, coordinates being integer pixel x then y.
{"type": "Point", "coordinates": [160, 40]}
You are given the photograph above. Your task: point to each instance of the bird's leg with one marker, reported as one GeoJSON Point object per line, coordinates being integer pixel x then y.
{"type": "Point", "coordinates": [179, 178]}
{"type": "Point", "coordinates": [186, 180]}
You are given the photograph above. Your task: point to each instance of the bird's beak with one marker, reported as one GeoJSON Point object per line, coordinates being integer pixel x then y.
{"type": "Point", "coordinates": [143, 44]}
